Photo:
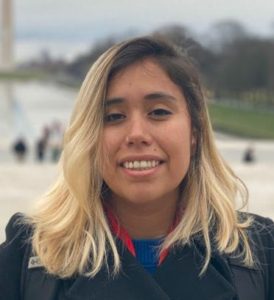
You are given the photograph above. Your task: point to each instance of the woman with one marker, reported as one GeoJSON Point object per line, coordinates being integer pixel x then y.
{"type": "Point", "coordinates": [144, 206]}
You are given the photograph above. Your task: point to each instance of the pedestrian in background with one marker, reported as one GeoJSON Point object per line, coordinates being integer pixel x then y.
{"type": "Point", "coordinates": [55, 141]}
{"type": "Point", "coordinates": [41, 145]}
{"type": "Point", "coordinates": [20, 149]}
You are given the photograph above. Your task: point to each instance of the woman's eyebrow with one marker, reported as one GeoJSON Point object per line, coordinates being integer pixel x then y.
{"type": "Point", "coordinates": [112, 101]}
{"type": "Point", "coordinates": [152, 96]}
{"type": "Point", "coordinates": [159, 96]}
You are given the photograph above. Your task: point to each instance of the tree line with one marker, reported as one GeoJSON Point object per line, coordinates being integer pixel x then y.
{"type": "Point", "coordinates": [236, 65]}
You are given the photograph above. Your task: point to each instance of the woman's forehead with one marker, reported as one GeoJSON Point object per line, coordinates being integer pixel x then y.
{"type": "Point", "coordinates": [143, 73]}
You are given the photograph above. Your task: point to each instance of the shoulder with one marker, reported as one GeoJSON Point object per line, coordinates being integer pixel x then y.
{"type": "Point", "coordinates": [261, 228]}
{"type": "Point", "coordinates": [17, 238]}
{"type": "Point", "coordinates": [260, 220]}
{"type": "Point", "coordinates": [261, 241]}
{"type": "Point", "coordinates": [260, 234]}
{"type": "Point", "coordinates": [17, 232]}
{"type": "Point", "coordinates": [11, 255]}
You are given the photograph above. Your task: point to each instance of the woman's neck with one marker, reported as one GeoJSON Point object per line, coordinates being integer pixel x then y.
{"type": "Point", "coordinates": [145, 221]}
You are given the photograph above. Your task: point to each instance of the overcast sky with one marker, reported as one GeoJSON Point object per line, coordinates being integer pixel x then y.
{"type": "Point", "coordinates": [93, 19]}
{"type": "Point", "coordinates": [66, 28]}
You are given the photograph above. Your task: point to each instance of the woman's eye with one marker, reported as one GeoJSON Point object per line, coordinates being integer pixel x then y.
{"type": "Point", "coordinates": [160, 112]}
{"type": "Point", "coordinates": [114, 117]}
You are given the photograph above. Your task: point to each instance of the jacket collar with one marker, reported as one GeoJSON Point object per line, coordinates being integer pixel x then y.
{"type": "Point", "coordinates": [177, 276]}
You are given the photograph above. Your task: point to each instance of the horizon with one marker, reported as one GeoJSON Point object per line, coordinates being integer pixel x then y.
{"type": "Point", "coordinates": [68, 46]}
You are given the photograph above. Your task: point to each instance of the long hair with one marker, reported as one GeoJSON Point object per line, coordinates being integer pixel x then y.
{"type": "Point", "coordinates": [71, 234]}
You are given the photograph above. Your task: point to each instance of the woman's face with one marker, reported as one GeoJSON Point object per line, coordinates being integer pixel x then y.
{"type": "Point", "coordinates": [147, 137]}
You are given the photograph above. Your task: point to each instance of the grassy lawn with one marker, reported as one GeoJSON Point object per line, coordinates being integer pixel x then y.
{"type": "Point", "coordinates": [22, 75]}
{"type": "Point", "coordinates": [242, 122]}
{"type": "Point", "coordinates": [26, 75]}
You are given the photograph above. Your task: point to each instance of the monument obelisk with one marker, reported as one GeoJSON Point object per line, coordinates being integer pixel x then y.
{"type": "Point", "coordinates": [6, 61]}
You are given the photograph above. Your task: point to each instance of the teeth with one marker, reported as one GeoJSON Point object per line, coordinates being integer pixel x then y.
{"type": "Point", "coordinates": [141, 165]}
{"type": "Point", "coordinates": [136, 164]}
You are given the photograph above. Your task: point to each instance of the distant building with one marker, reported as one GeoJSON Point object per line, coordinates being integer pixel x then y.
{"type": "Point", "coordinates": [6, 35]}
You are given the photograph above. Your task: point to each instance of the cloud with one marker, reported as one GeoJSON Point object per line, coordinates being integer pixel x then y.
{"type": "Point", "coordinates": [81, 18]}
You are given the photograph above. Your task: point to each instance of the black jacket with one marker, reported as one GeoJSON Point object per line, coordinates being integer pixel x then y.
{"type": "Point", "coordinates": [176, 279]}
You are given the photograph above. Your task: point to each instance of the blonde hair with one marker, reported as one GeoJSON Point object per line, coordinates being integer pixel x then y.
{"type": "Point", "coordinates": [71, 234]}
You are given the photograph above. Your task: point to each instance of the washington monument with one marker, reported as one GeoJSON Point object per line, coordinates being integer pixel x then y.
{"type": "Point", "coordinates": [6, 34]}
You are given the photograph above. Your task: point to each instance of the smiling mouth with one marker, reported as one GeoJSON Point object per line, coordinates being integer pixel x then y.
{"type": "Point", "coordinates": [140, 165]}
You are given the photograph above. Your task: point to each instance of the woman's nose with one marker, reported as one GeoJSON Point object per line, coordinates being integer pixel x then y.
{"type": "Point", "coordinates": [138, 133]}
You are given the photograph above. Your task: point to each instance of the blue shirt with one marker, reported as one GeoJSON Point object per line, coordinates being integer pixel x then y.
{"type": "Point", "coordinates": [147, 253]}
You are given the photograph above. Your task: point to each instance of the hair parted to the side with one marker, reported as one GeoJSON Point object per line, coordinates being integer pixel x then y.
{"type": "Point", "coordinates": [71, 234]}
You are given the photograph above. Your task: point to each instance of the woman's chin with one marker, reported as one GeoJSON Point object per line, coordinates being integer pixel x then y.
{"type": "Point", "coordinates": [142, 197]}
